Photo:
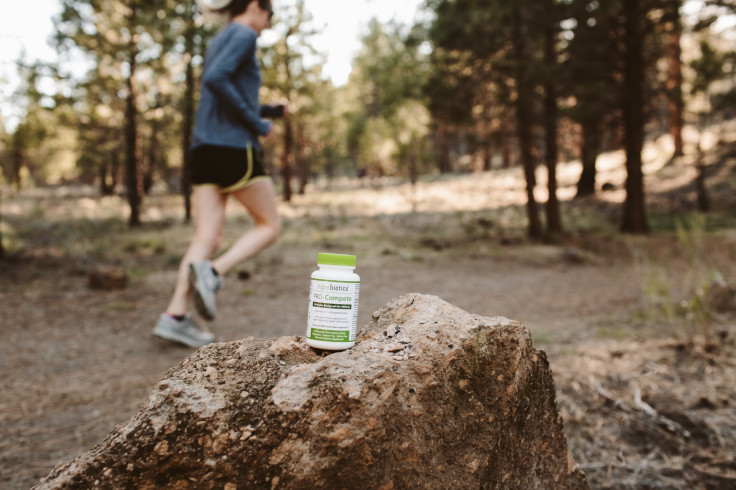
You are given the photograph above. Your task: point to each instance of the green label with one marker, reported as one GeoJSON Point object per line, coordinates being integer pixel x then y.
{"type": "Point", "coordinates": [330, 335]}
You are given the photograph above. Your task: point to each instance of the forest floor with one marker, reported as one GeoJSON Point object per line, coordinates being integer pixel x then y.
{"type": "Point", "coordinates": [640, 330]}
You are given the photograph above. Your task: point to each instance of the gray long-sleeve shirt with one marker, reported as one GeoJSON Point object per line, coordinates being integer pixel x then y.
{"type": "Point", "coordinates": [229, 113]}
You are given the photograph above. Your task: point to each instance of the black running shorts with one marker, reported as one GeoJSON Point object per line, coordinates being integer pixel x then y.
{"type": "Point", "coordinates": [229, 169]}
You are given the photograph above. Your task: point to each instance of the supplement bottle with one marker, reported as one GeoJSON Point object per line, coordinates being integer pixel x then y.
{"type": "Point", "coordinates": [333, 303]}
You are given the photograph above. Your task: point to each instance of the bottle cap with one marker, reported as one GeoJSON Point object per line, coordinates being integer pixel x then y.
{"type": "Point", "coordinates": [336, 259]}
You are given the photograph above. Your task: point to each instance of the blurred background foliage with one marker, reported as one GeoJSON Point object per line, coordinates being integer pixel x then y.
{"type": "Point", "coordinates": [475, 86]}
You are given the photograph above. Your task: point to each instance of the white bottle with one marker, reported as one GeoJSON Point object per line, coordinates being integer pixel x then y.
{"type": "Point", "coordinates": [333, 303]}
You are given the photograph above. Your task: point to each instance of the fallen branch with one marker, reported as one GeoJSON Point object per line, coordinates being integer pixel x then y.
{"type": "Point", "coordinates": [660, 419]}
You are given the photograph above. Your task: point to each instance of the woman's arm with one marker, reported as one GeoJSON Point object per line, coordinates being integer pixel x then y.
{"type": "Point", "coordinates": [220, 73]}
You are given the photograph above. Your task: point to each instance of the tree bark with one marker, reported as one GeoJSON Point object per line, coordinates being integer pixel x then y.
{"type": "Point", "coordinates": [589, 150]}
{"type": "Point", "coordinates": [443, 144]}
{"type": "Point", "coordinates": [302, 163]}
{"type": "Point", "coordinates": [552, 208]}
{"type": "Point", "coordinates": [133, 178]}
{"type": "Point", "coordinates": [703, 201]}
{"type": "Point", "coordinates": [524, 121]}
{"type": "Point", "coordinates": [286, 162]}
{"type": "Point", "coordinates": [17, 158]}
{"type": "Point", "coordinates": [486, 153]}
{"type": "Point", "coordinates": [634, 219]}
{"type": "Point", "coordinates": [105, 189]}
{"type": "Point", "coordinates": [115, 173]}
{"type": "Point", "coordinates": [485, 138]}
{"type": "Point", "coordinates": [302, 172]}
{"type": "Point", "coordinates": [152, 155]}
{"type": "Point", "coordinates": [674, 81]}
{"type": "Point", "coordinates": [506, 157]}
{"type": "Point", "coordinates": [702, 192]}
{"type": "Point", "coordinates": [188, 116]}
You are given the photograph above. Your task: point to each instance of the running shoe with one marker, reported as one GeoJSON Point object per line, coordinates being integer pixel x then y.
{"type": "Point", "coordinates": [205, 284]}
{"type": "Point", "coordinates": [183, 331]}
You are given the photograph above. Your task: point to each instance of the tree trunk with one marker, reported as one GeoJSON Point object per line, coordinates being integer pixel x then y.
{"type": "Point", "coordinates": [303, 169]}
{"type": "Point", "coordinates": [443, 147]}
{"type": "Point", "coordinates": [301, 162]}
{"type": "Point", "coordinates": [17, 157]}
{"type": "Point", "coordinates": [133, 180]}
{"type": "Point", "coordinates": [589, 150]}
{"type": "Point", "coordinates": [702, 193]}
{"type": "Point", "coordinates": [634, 219]}
{"type": "Point", "coordinates": [330, 164]}
{"type": "Point", "coordinates": [674, 81]}
{"type": "Point", "coordinates": [552, 208]}
{"type": "Point", "coordinates": [413, 161]}
{"type": "Point", "coordinates": [486, 143]}
{"type": "Point", "coordinates": [116, 173]}
{"type": "Point", "coordinates": [286, 162]}
{"type": "Point", "coordinates": [188, 116]}
{"type": "Point", "coordinates": [105, 188]}
{"type": "Point", "coordinates": [485, 136]}
{"type": "Point", "coordinates": [524, 121]}
{"type": "Point", "coordinates": [486, 156]}
{"type": "Point", "coordinates": [506, 148]}
{"type": "Point", "coordinates": [703, 200]}
{"type": "Point", "coordinates": [152, 157]}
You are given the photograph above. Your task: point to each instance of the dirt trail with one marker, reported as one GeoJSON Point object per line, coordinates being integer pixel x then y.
{"type": "Point", "coordinates": [76, 362]}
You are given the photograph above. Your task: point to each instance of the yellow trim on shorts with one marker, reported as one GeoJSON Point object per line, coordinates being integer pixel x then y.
{"type": "Point", "coordinates": [252, 181]}
{"type": "Point", "coordinates": [244, 181]}
{"type": "Point", "coordinates": [255, 180]}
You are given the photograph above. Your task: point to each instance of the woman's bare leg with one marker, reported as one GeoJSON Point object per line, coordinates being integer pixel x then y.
{"type": "Point", "coordinates": [209, 215]}
{"type": "Point", "coordinates": [259, 199]}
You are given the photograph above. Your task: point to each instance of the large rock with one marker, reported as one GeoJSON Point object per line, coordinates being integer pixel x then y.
{"type": "Point", "coordinates": [429, 397]}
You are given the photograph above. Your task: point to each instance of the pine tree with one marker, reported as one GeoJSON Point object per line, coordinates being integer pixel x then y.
{"type": "Point", "coordinates": [550, 17]}
{"type": "Point", "coordinates": [502, 36]}
{"type": "Point", "coordinates": [673, 84]}
{"type": "Point", "coordinates": [634, 218]}
{"type": "Point", "coordinates": [120, 38]}
{"type": "Point", "coordinates": [188, 104]}
{"type": "Point", "coordinates": [386, 84]}
{"type": "Point", "coordinates": [593, 69]}
{"type": "Point", "coordinates": [290, 74]}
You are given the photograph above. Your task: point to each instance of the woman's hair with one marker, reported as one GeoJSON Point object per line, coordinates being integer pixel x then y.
{"type": "Point", "coordinates": [237, 7]}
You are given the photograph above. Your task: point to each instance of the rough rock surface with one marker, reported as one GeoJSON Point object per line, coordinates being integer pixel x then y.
{"type": "Point", "coordinates": [429, 397]}
{"type": "Point", "coordinates": [108, 278]}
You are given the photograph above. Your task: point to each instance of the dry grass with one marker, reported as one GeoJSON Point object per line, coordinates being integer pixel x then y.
{"type": "Point", "coordinates": [639, 330]}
